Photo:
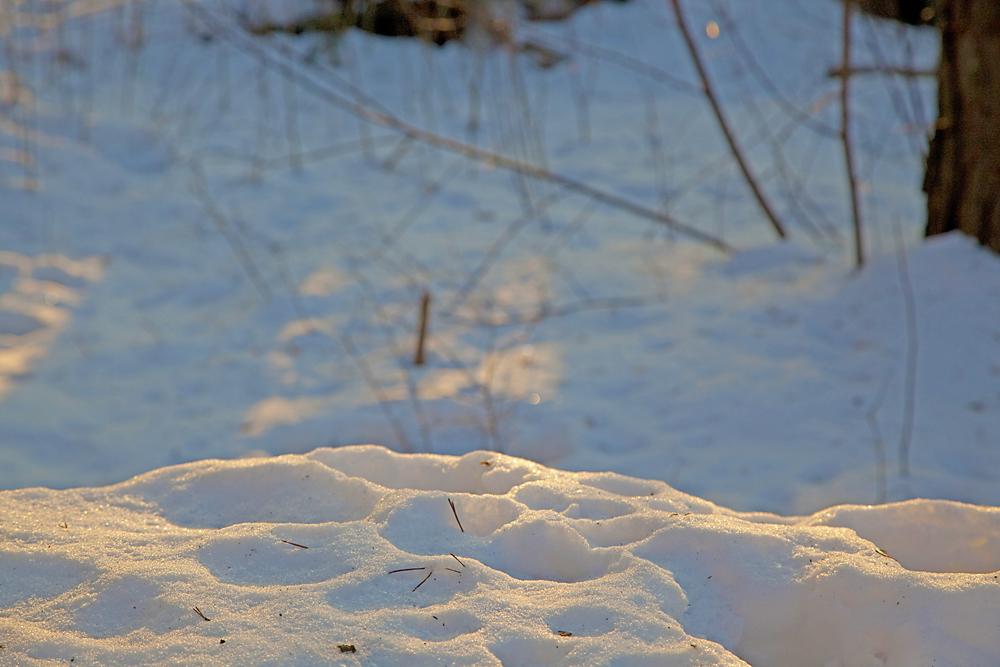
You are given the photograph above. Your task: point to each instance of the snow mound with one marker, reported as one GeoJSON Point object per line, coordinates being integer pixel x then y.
{"type": "Point", "coordinates": [361, 556]}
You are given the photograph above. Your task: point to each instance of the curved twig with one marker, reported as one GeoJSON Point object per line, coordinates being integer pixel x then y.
{"type": "Point", "coordinates": [362, 108]}
{"type": "Point", "coordinates": [723, 125]}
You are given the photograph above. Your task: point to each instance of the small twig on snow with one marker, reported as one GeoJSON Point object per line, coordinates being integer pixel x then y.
{"type": "Point", "coordinates": [300, 546]}
{"type": "Point", "coordinates": [455, 512]}
{"type": "Point", "coordinates": [424, 579]}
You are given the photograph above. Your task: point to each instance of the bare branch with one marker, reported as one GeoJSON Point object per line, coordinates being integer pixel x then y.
{"type": "Point", "coordinates": [226, 229]}
{"type": "Point", "coordinates": [910, 381]}
{"type": "Point", "coordinates": [364, 109]}
{"type": "Point", "coordinates": [425, 303]}
{"type": "Point", "coordinates": [723, 125]}
{"type": "Point", "coordinates": [857, 70]}
{"type": "Point", "coordinates": [845, 137]}
{"type": "Point", "coordinates": [747, 58]}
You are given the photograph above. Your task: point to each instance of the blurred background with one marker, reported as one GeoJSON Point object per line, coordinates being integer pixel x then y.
{"type": "Point", "coordinates": [609, 236]}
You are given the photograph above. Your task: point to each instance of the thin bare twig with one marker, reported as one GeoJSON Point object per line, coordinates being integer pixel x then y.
{"type": "Point", "coordinates": [263, 117]}
{"type": "Point", "coordinates": [364, 109]}
{"type": "Point", "coordinates": [390, 238]}
{"type": "Point", "coordinates": [456, 362]}
{"type": "Point", "coordinates": [305, 156]}
{"type": "Point", "coordinates": [292, 124]}
{"type": "Point", "coordinates": [706, 84]}
{"type": "Point", "coordinates": [910, 381]}
{"type": "Point", "coordinates": [731, 29]}
{"type": "Point", "coordinates": [656, 150]}
{"type": "Point", "coordinates": [364, 132]}
{"type": "Point", "coordinates": [498, 246]}
{"type": "Point", "coordinates": [26, 107]}
{"type": "Point", "coordinates": [300, 546]}
{"type": "Point", "coordinates": [425, 305]}
{"type": "Point", "coordinates": [567, 233]}
{"type": "Point", "coordinates": [916, 99]}
{"type": "Point", "coordinates": [618, 58]}
{"type": "Point", "coordinates": [371, 294]}
{"type": "Point", "coordinates": [226, 229]}
{"type": "Point", "coordinates": [345, 341]}
{"type": "Point", "coordinates": [913, 117]}
{"type": "Point", "coordinates": [872, 417]}
{"type": "Point", "coordinates": [376, 387]}
{"type": "Point", "coordinates": [571, 308]}
{"type": "Point", "coordinates": [455, 512]}
{"type": "Point", "coordinates": [404, 146]}
{"type": "Point", "coordinates": [486, 388]}
{"type": "Point", "coordinates": [816, 223]}
{"type": "Point", "coordinates": [579, 93]}
{"type": "Point", "coordinates": [845, 136]}
{"type": "Point", "coordinates": [424, 579]}
{"type": "Point", "coordinates": [856, 70]}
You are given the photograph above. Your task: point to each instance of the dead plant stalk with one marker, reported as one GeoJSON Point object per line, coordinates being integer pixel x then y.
{"type": "Point", "coordinates": [845, 136]}
{"type": "Point", "coordinates": [364, 109]}
{"type": "Point", "coordinates": [706, 84]}
{"type": "Point", "coordinates": [425, 305]}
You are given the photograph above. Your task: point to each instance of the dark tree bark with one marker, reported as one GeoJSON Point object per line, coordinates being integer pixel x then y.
{"type": "Point", "coordinates": [962, 180]}
{"type": "Point", "coordinates": [913, 12]}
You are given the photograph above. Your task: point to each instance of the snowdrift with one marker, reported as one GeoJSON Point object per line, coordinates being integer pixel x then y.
{"type": "Point", "coordinates": [361, 556]}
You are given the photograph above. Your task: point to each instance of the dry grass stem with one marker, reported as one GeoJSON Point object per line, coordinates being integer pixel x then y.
{"type": "Point", "coordinates": [455, 512]}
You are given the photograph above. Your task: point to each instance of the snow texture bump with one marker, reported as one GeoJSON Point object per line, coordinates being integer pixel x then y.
{"type": "Point", "coordinates": [282, 560]}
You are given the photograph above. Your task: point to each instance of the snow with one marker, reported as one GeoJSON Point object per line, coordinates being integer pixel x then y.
{"type": "Point", "coordinates": [290, 557]}
{"type": "Point", "coordinates": [657, 453]}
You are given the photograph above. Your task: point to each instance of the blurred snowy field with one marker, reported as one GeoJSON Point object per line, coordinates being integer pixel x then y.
{"type": "Point", "coordinates": [203, 256]}
{"type": "Point", "coordinates": [259, 257]}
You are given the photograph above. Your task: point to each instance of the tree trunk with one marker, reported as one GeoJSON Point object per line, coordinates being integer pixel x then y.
{"type": "Point", "coordinates": [913, 12]}
{"type": "Point", "coordinates": [962, 181]}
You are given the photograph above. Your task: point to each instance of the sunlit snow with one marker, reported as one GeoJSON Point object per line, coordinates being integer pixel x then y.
{"type": "Point", "coordinates": [289, 560]}
{"type": "Point", "coordinates": [624, 448]}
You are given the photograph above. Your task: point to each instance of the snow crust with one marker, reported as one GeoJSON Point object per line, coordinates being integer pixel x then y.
{"type": "Point", "coordinates": [295, 559]}
{"type": "Point", "coordinates": [132, 337]}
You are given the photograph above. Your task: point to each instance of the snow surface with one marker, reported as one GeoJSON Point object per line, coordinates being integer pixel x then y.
{"type": "Point", "coordinates": [203, 261]}
{"type": "Point", "coordinates": [282, 561]}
